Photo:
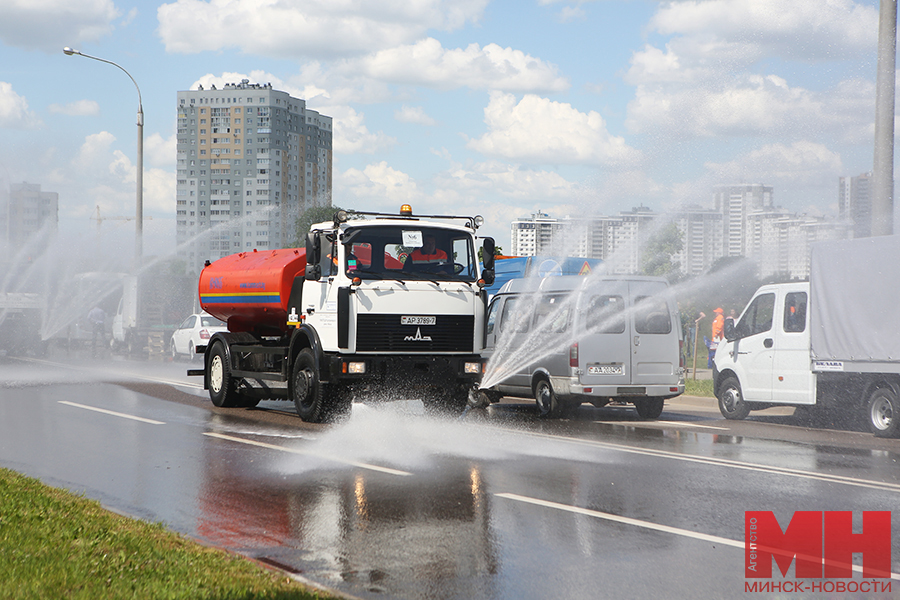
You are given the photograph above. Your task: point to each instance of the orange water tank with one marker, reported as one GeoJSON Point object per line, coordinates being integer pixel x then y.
{"type": "Point", "coordinates": [250, 290]}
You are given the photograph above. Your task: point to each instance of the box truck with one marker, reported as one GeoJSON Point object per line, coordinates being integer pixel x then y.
{"type": "Point", "coordinates": [832, 342]}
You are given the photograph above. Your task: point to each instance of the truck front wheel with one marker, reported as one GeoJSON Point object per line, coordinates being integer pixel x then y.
{"type": "Point", "coordinates": [222, 390]}
{"type": "Point", "coordinates": [308, 390]}
{"type": "Point", "coordinates": [731, 400]}
{"type": "Point", "coordinates": [883, 410]}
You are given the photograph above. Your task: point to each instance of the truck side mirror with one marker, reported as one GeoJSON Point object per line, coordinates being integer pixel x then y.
{"type": "Point", "coordinates": [313, 272]}
{"type": "Point", "coordinates": [487, 254]}
{"type": "Point", "coordinates": [313, 249]}
{"type": "Point", "coordinates": [729, 331]}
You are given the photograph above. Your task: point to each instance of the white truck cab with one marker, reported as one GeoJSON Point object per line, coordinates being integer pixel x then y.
{"type": "Point", "coordinates": [765, 358]}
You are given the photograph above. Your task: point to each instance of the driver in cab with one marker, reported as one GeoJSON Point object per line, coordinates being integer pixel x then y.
{"type": "Point", "coordinates": [428, 254]}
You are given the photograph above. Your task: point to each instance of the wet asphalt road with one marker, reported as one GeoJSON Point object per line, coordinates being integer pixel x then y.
{"type": "Point", "coordinates": [392, 504]}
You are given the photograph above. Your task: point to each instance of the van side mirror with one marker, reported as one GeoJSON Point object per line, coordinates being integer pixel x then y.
{"type": "Point", "coordinates": [487, 254]}
{"type": "Point", "coordinates": [730, 333]}
{"type": "Point", "coordinates": [488, 276]}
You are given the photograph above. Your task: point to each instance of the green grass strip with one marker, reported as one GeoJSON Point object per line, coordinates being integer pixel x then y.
{"type": "Point", "coordinates": [698, 387]}
{"type": "Point", "coordinates": [54, 544]}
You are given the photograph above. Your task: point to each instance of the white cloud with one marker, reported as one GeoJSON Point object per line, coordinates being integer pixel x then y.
{"type": "Point", "coordinates": [808, 29]}
{"type": "Point", "coordinates": [311, 28]}
{"type": "Point", "coordinates": [51, 24]}
{"type": "Point", "coordinates": [351, 136]}
{"type": "Point", "coordinates": [540, 131]}
{"type": "Point", "coordinates": [379, 183]}
{"type": "Point", "coordinates": [413, 114]}
{"type": "Point", "coordinates": [93, 153]}
{"type": "Point", "coordinates": [706, 82]}
{"type": "Point", "coordinates": [427, 63]}
{"type": "Point", "coordinates": [750, 105]}
{"type": "Point", "coordinates": [799, 163]}
{"type": "Point", "coordinates": [80, 108]}
{"type": "Point", "coordinates": [159, 151]}
{"type": "Point", "coordinates": [497, 179]}
{"type": "Point", "coordinates": [14, 113]}
{"type": "Point", "coordinates": [105, 176]}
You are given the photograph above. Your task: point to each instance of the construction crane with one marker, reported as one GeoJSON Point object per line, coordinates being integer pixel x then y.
{"type": "Point", "coordinates": [96, 217]}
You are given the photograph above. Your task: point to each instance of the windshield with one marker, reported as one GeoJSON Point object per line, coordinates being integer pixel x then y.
{"type": "Point", "coordinates": [410, 252]}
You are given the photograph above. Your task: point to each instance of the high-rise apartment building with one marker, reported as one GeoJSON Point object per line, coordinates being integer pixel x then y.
{"type": "Point", "coordinates": [615, 240]}
{"type": "Point", "coordinates": [24, 211]}
{"type": "Point", "coordinates": [701, 235]}
{"type": "Point", "coordinates": [528, 234]}
{"type": "Point", "coordinates": [250, 160]}
{"type": "Point", "coordinates": [736, 202]}
{"type": "Point", "coordinates": [855, 203]}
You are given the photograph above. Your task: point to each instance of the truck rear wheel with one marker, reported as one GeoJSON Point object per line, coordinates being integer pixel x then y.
{"type": "Point", "coordinates": [308, 390]}
{"type": "Point", "coordinates": [731, 400]}
{"type": "Point", "coordinates": [222, 390]}
{"type": "Point", "coordinates": [883, 411]}
{"type": "Point", "coordinates": [649, 408]}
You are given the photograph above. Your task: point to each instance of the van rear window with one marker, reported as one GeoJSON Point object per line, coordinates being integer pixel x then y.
{"type": "Point", "coordinates": [605, 314]}
{"type": "Point", "coordinates": [651, 316]}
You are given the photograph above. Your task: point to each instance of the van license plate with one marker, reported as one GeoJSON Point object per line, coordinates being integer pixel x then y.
{"type": "Point", "coordinates": [605, 370]}
{"type": "Point", "coordinates": [418, 320]}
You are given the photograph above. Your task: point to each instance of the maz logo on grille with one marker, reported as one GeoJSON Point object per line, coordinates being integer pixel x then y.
{"type": "Point", "coordinates": [418, 337]}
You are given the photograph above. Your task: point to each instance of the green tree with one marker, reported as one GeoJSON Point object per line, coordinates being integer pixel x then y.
{"type": "Point", "coordinates": [658, 257]}
{"type": "Point", "coordinates": [498, 251]}
{"type": "Point", "coordinates": [311, 216]}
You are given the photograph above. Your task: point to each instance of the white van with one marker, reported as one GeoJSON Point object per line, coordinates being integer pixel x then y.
{"type": "Point", "coordinates": [565, 340]}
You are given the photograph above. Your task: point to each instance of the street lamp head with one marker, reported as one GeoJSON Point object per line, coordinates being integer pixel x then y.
{"type": "Point", "coordinates": [69, 52]}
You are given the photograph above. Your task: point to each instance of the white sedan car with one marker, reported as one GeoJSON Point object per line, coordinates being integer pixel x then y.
{"type": "Point", "coordinates": [195, 331]}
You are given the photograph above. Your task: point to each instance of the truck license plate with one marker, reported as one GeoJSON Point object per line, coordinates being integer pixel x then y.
{"type": "Point", "coordinates": [418, 320]}
{"type": "Point", "coordinates": [605, 369]}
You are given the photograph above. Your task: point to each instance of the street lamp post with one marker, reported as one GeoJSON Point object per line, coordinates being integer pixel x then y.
{"type": "Point", "coordinates": [139, 200]}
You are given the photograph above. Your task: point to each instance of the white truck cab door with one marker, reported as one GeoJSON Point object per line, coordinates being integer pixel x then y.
{"type": "Point", "coordinates": [752, 354]}
{"type": "Point", "coordinates": [793, 382]}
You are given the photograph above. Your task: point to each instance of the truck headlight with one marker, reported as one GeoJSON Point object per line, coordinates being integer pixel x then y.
{"type": "Point", "coordinates": [357, 368]}
{"type": "Point", "coordinates": [473, 368]}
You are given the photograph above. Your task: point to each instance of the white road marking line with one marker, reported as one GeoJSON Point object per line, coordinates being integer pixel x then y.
{"type": "Point", "coordinates": [650, 424]}
{"type": "Point", "coordinates": [625, 520]}
{"type": "Point", "coordinates": [721, 462]}
{"type": "Point", "coordinates": [638, 523]}
{"type": "Point", "coordinates": [111, 412]}
{"type": "Point", "coordinates": [687, 424]}
{"type": "Point", "coordinates": [353, 463]}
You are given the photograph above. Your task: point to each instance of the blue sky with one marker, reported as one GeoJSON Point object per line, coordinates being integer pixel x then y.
{"type": "Point", "coordinates": [457, 106]}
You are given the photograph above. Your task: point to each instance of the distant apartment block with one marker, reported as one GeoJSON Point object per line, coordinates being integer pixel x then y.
{"type": "Point", "coordinates": [743, 222]}
{"type": "Point", "coordinates": [855, 203]}
{"type": "Point", "coordinates": [736, 203]}
{"type": "Point", "coordinates": [250, 159]}
{"type": "Point", "coordinates": [24, 211]}
{"type": "Point", "coordinates": [702, 235]}
{"type": "Point", "coordinates": [614, 239]}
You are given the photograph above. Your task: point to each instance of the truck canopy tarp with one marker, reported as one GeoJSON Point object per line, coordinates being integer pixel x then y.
{"type": "Point", "coordinates": [854, 292]}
